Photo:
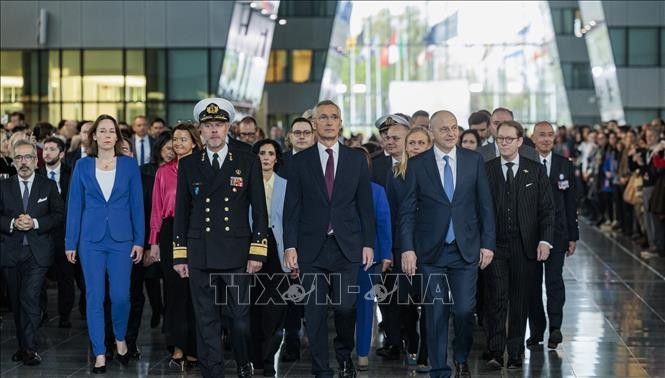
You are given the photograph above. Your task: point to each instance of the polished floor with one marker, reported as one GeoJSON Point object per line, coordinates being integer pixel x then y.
{"type": "Point", "coordinates": [614, 326]}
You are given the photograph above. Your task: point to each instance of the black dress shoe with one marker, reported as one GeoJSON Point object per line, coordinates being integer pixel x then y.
{"type": "Point", "coordinates": [177, 363]}
{"type": "Point", "coordinates": [390, 352]}
{"type": "Point", "coordinates": [99, 369]}
{"type": "Point", "coordinates": [64, 322]}
{"type": "Point", "coordinates": [514, 364]}
{"type": "Point", "coordinates": [462, 370]}
{"type": "Point", "coordinates": [18, 356]}
{"type": "Point", "coordinates": [269, 371]}
{"type": "Point", "coordinates": [245, 370]}
{"type": "Point", "coordinates": [133, 352]}
{"type": "Point", "coordinates": [495, 363]}
{"type": "Point", "coordinates": [533, 341]}
{"type": "Point", "coordinates": [290, 355]}
{"type": "Point", "coordinates": [346, 370]}
{"type": "Point", "coordinates": [555, 338]}
{"type": "Point", "coordinates": [44, 319]}
{"type": "Point", "coordinates": [155, 320]}
{"type": "Point", "coordinates": [31, 358]}
{"type": "Point", "coordinates": [124, 358]}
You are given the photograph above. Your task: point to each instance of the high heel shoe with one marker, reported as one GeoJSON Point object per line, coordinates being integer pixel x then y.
{"type": "Point", "coordinates": [99, 369]}
{"type": "Point", "coordinates": [177, 363]}
{"type": "Point", "coordinates": [123, 358]}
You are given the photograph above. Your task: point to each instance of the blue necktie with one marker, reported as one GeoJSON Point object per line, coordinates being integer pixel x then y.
{"type": "Point", "coordinates": [52, 175]}
{"type": "Point", "coordinates": [142, 152]}
{"type": "Point", "coordinates": [449, 188]}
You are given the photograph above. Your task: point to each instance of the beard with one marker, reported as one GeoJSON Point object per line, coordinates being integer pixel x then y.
{"type": "Point", "coordinates": [53, 161]}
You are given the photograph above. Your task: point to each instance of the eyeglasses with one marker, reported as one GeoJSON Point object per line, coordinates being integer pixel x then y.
{"type": "Point", "coordinates": [304, 133]}
{"type": "Point", "coordinates": [181, 140]}
{"type": "Point", "coordinates": [326, 118]}
{"type": "Point", "coordinates": [506, 140]}
{"type": "Point", "coordinates": [27, 158]}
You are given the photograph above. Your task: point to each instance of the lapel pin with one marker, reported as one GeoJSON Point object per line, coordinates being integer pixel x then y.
{"type": "Point", "coordinates": [238, 172]}
{"type": "Point", "coordinates": [230, 156]}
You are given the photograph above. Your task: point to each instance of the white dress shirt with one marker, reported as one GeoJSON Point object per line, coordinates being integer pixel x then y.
{"type": "Point", "coordinates": [222, 155]}
{"type": "Point", "coordinates": [57, 175]}
{"type": "Point", "coordinates": [548, 163]}
{"type": "Point", "coordinates": [21, 187]}
{"type": "Point", "coordinates": [323, 154]}
{"type": "Point", "coordinates": [137, 148]}
{"type": "Point", "coordinates": [440, 163]}
{"type": "Point", "coordinates": [105, 179]}
{"type": "Point", "coordinates": [83, 153]}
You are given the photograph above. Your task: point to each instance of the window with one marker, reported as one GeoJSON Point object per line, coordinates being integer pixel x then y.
{"type": "Point", "coordinates": [188, 74]}
{"type": "Point", "coordinates": [11, 73]}
{"type": "Point", "coordinates": [216, 60]}
{"type": "Point", "coordinates": [662, 47]}
{"type": "Point", "coordinates": [637, 117]}
{"type": "Point", "coordinates": [301, 65]}
{"type": "Point", "coordinates": [643, 46]}
{"type": "Point", "coordinates": [71, 76]}
{"type": "Point", "coordinates": [276, 66]}
{"type": "Point", "coordinates": [292, 8]}
{"type": "Point", "coordinates": [135, 76]}
{"type": "Point", "coordinates": [618, 41]}
{"type": "Point", "coordinates": [577, 75]}
{"type": "Point", "coordinates": [102, 76]}
{"type": "Point", "coordinates": [563, 20]}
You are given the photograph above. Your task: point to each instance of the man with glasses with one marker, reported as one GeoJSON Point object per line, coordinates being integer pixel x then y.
{"type": "Point", "coordinates": [214, 244]}
{"type": "Point", "coordinates": [447, 231]}
{"type": "Point", "coordinates": [30, 209]}
{"type": "Point", "coordinates": [490, 150]}
{"type": "Point", "coordinates": [524, 209]}
{"type": "Point", "coordinates": [301, 137]}
{"type": "Point", "coordinates": [247, 130]}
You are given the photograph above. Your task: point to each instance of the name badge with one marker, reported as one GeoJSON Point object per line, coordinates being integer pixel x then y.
{"type": "Point", "coordinates": [236, 181]}
{"type": "Point", "coordinates": [563, 184]}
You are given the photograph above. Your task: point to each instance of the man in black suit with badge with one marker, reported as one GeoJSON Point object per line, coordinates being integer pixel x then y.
{"type": "Point", "coordinates": [524, 212]}
{"type": "Point", "coordinates": [561, 174]}
{"type": "Point", "coordinates": [214, 244]}
{"type": "Point", "coordinates": [30, 209]}
{"type": "Point", "coordinates": [329, 232]}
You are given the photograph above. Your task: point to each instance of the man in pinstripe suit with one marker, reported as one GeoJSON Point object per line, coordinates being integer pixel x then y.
{"type": "Point", "coordinates": [524, 210]}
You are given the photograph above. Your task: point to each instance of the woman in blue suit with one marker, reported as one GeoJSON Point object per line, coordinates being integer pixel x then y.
{"type": "Point", "coordinates": [383, 254]}
{"type": "Point", "coordinates": [267, 318]}
{"type": "Point", "coordinates": [105, 225]}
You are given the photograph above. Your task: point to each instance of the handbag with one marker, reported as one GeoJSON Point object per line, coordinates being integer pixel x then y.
{"type": "Point", "coordinates": [633, 192]}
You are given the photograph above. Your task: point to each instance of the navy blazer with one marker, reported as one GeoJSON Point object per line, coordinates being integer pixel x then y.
{"type": "Point", "coordinates": [562, 178]}
{"type": "Point", "coordinates": [90, 216]}
{"type": "Point", "coordinates": [425, 211]}
{"type": "Point", "coordinates": [308, 211]}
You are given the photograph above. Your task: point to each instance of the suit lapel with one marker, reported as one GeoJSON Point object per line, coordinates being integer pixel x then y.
{"type": "Point", "coordinates": [93, 176]}
{"type": "Point", "coordinates": [34, 193]}
{"type": "Point", "coordinates": [522, 177]}
{"type": "Point", "coordinates": [555, 166]}
{"type": "Point", "coordinates": [461, 162]}
{"type": "Point", "coordinates": [315, 163]}
{"type": "Point", "coordinates": [341, 159]}
{"type": "Point", "coordinates": [206, 167]}
{"type": "Point", "coordinates": [434, 174]}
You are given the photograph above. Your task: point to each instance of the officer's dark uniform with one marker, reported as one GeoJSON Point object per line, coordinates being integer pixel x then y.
{"type": "Point", "coordinates": [212, 235]}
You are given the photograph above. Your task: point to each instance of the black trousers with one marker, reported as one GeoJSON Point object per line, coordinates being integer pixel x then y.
{"type": "Point", "coordinates": [390, 313]}
{"type": "Point", "coordinates": [268, 310]}
{"type": "Point", "coordinates": [507, 282]}
{"type": "Point", "coordinates": [206, 287]}
{"type": "Point", "coordinates": [136, 303]}
{"type": "Point", "coordinates": [24, 285]}
{"type": "Point", "coordinates": [179, 320]}
{"type": "Point", "coordinates": [556, 294]}
{"type": "Point", "coordinates": [330, 275]}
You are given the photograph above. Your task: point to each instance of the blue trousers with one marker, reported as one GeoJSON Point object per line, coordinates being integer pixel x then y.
{"type": "Point", "coordinates": [451, 288]}
{"type": "Point", "coordinates": [97, 260]}
{"type": "Point", "coordinates": [364, 312]}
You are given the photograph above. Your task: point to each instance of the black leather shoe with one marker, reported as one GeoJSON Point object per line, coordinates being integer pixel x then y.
{"type": "Point", "coordinates": [346, 370]}
{"type": "Point", "coordinates": [495, 363]}
{"type": "Point", "coordinates": [269, 371]}
{"type": "Point", "coordinates": [44, 320]}
{"type": "Point", "coordinates": [18, 356]}
{"type": "Point", "coordinates": [514, 364]}
{"type": "Point", "coordinates": [31, 358]}
{"type": "Point", "coordinates": [390, 352]}
{"type": "Point", "coordinates": [555, 338]}
{"type": "Point", "coordinates": [533, 341]}
{"type": "Point", "coordinates": [245, 370]}
{"type": "Point", "coordinates": [462, 370]}
{"type": "Point", "coordinates": [133, 352]}
{"type": "Point", "coordinates": [64, 323]}
{"type": "Point", "coordinates": [123, 358]}
{"type": "Point", "coordinates": [290, 355]}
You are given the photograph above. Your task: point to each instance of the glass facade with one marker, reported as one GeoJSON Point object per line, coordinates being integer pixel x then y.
{"type": "Point", "coordinates": [81, 84]}
{"type": "Point", "coordinates": [402, 57]}
{"type": "Point", "coordinates": [638, 46]}
{"type": "Point", "coordinates": [296, 66]}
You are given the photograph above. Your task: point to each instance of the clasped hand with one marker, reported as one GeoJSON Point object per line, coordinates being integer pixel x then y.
{"type": "Point", "coordinates": [24, 222]}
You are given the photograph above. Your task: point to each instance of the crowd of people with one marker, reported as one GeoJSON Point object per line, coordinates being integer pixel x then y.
{"type": "Point", "coordinates": [176, 212]}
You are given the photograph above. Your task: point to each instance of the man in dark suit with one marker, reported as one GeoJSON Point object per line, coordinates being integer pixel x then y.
{"type": "Point", "coordinates": [491, 149]}
{"type": "Point", "coordinates": [561, 175]}
{"type": "Point", "coordinates": [65, 273]}
{"type": "Point", "coordinates": [301, 137]}
{"type": "Point", "coordinates": [393, 129]}
{"type": "Point", "coordinates": [141, 142]}
{"type": "Point", "coordinates": [238, 145]}
{"type": "Point", "coordinates": [30, 209]}
{"type": "Point", "coordinates": [214, 244]}
{"type": "Point", "coordinates": [72, 157]}
{"type": "Point", "coordinates": [524, 235]}
{"type": "Point", "coordinates": [329, 231]}
{"type": "Point", "coordinates": [447, 228]}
